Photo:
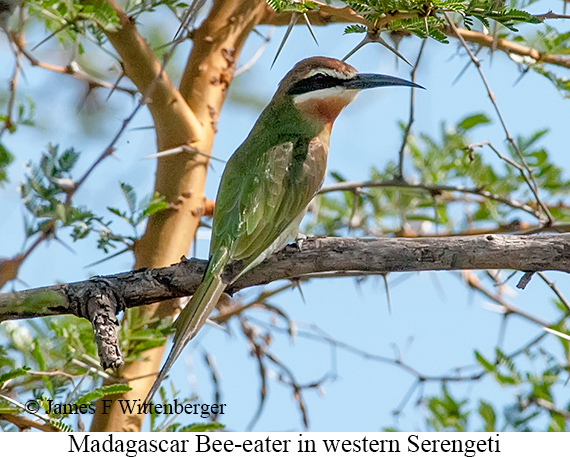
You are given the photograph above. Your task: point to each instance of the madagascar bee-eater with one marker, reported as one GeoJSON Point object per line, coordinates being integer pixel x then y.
{"type": "Point", "coordinates": [271, 178]}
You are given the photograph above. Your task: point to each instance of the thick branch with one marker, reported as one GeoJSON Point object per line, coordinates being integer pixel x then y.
{"type": "Point", "coordinates": [171, 114]}
{"type": "Point", "coordinates": [348, 256]}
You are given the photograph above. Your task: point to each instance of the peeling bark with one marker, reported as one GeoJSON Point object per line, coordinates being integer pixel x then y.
{"type": "Point", "coordinates": [97, 301]}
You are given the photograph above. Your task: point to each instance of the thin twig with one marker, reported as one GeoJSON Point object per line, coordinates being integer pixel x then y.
{"type": "Point", "coordinates": [317, 334]}
{"type": "Point", "coordinates": [215, 376]}
{"type": "Point", "coordinates": [247, 66]}
{"type": "Point", "coordinates": [472, 281]}
{"type": "Point", "coordinates": [555, 289]}
{"type": "Point", "coordinates": [43, 417]}
{"type": "Point", "coordinates": [400, 175]}
{"type": "Point", "coordinates": [551, 407]}
{"type": "Point", "coordinates": [528, 179]}
{"type": "Point", "coordinates": [531, 180]}
{"type": "Point", "coordinates": [551, 15]}
{"type": "Point", "coordinates": [71, 69]}
{"type": "Point", "coordinates": [437, 188]}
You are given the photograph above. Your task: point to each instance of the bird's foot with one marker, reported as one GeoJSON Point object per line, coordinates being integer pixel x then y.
{"type": "Point", "coordinates": [299, 240]}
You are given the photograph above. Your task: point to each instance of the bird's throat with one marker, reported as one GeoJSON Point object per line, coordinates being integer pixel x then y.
{"type": "Point", "coordinates": [324, 107]}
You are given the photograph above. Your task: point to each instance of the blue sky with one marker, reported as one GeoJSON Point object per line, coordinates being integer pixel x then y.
{"type": "Point", "coordinates": [435, 323]}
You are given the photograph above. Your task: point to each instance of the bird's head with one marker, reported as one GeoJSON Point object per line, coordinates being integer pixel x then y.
{"type": "Point", "coordinates": [320, 87]}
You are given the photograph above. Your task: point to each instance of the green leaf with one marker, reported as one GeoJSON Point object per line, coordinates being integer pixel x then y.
{"type": "Point", "coordinates": [488, 415]}
{"type": "Point", "coordinates": [37, 353]}
{"type": "Point", "coordinates": [453, 5]}
{"type": "Point", "coordinates": [337, 176]}
{"type": "Point", "coordinates": [130, 196]}
{"type": "Point", "coordinates": [355, 28]}
{"type": "Point", "coordinates": [212, 426]}
{"type": "Point", "coordinates": [156, 204]}
{"type": "Point", "coordinates": [284, 6]}
{"type": "Point", "coordinates": [472, 121]}
{"type": "Point", "coordinates": [5, 159]}
{"type": "Point", "coordinates": [103, 392]}
{"type": "Point", "coordinates": [13, 374]}
{"type": "Point", "coordinates": [60, 425]}
{"type": "Point", "coordinates": [488, 366]}
{"type": "Point", "coordinates": [155, 207]}
{"type": "Point", "coordinates": [68, 159]}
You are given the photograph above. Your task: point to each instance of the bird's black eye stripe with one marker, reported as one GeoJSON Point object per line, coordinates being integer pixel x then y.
{"type": "Point", "coordinates": [315, 82]}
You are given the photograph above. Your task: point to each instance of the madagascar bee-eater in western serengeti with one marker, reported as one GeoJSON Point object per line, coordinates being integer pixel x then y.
{"type": "Point", "coordinates": [271, 178]}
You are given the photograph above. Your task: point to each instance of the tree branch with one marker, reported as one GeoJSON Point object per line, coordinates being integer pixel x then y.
{"type": "Point", "coordinates": [327, 14]}
{"type": "Point", "coordinates": [25, 423]}
{"type": "Point", "coordinates": [510, 47]}
{"type": "Point", "coordinates": [73, 69]}
{"type": "Point", "coordinates": [432, 188]}
{"type": "Point", "coordinates": [349, 256]}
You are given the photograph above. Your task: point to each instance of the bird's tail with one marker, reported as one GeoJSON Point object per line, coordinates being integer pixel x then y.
{"type": "Point", "coordinates": [191, 319]}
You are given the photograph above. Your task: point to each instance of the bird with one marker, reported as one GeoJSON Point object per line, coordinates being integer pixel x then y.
{"type": "Point", "coordinates": [270, 180]}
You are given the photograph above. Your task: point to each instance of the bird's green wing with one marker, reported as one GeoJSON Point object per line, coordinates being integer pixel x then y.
{"type": "Point", "coordinates": [259, 197]}
{"type": "Point", "coordinates": [261, 194]}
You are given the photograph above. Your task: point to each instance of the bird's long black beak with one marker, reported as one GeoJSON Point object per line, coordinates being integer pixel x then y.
{"type": "Point", "coordinates": [370, 80]}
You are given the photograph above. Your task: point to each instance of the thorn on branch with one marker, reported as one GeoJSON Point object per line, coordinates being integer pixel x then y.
{"type": "Point", "coordinates": [294, 19]}
{"type": "Point", "coordinates": [373, 36]}
{"type": "Point", "coordinates": [182, 149]}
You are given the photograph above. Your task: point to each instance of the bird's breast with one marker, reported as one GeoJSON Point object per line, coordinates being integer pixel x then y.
{"type": "Point", "coordinates": [315, 164]}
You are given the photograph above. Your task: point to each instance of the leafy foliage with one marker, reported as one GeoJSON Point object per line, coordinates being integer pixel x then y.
{"type": "Point", "coordinates": [485, 11]}
{"type": "Point", "coordinates": [138, 336]}
{"type": "Point", "coordinates": [355, 28]}
{"type": "Point", "coordinates": [46, 195]}
{"type": "Point", "coordinates": [533, 408]}
{"type": "Point", "coordinates": [24, 116]}
{"type": "Point", "coordinates": [64, 370]}
{"type": "Point", "coordinates": [12, 374]}
{"type": "Point", "coordinates": [445, 413]}
{"type": "Point", "coordinates": [138, 211]}
{"type": "Point", "coordinates": [449, 160]}
{"type": "Point", "coordinates": [428, 21]}
{"type": "Point", "coordinates": [168, 423]}
{"type": "Point", "coordinates": [70, 20]}
{"type": "Point", "coordinates": [286, 6]}
{"type": "Point", "coordinates": [427, 16]}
